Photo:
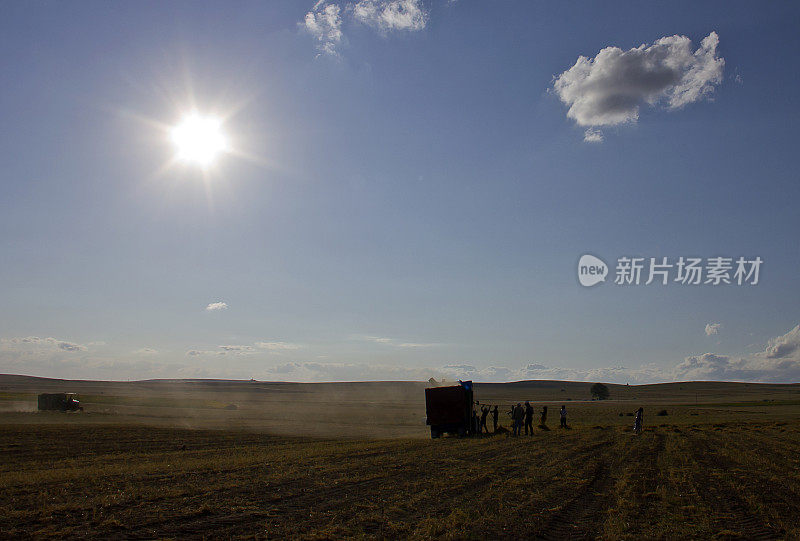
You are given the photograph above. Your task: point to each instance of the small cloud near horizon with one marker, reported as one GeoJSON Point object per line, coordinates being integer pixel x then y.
{"type": "Point", "coordinates": [46, 343]}
{"type": "Point", "coordinates": [713, 328]}
{"type": "Point", "coordinates": [214, 306]}
{"type": "Point", "coordinates": [278, 346]}
{"type": "Point", "coordinates": [394, 342]}
{"type": "Point", "coordinates": [236, 349]}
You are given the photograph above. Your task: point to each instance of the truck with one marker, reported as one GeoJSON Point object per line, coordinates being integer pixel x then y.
{"type": "Point", "coordinates": [59, 402]}
{"type": "Point", "coordinates": [449, 409]}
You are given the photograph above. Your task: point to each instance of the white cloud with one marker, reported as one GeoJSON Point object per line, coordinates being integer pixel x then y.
{"type": "Point", "coordinates": [58, 365]}
{"type": "Point", "coordinates": [244, 349]}
{"type": "Point", "coordinates": [236, 349]}
{"type": "Point", "coordinates": [378, 339]}
{"type": "Point", "coordinates": [593, 135]}
{"type": "Point", "coordinates": [217, 306]}
{"type": "Point", "coordinates": [619, 374]}
{"type": "Point", "coordinates": [34, 342]}
{"type": "Point", "coordinates": [456, 368]}
{"type": "Point", "coordinates": [610, 88]}
{"type": "Point", "coordinates": [388, 15]}
{"type": "Point", "coordinates": [203, 353]}
{"type": "Point", "coordinates": [278, 346]}
{"type": "Point", "coordinates": [713, 328]}
{"type": "Point", "coordinates": [778, 363]}
{"type": "Point", "coordinates": [394, 342]}
{"type": "Point", "coordinates": [343, 371]}
{"type": "Point", "coordinates": [146, 351]}
{"type": "Point", "coordinates": [324, 21]}
{"type": "Point", "coordinates": [69, 346]}
{"type": "Point", "coordinates": [325, 24]}
{"type": "Point", "coordinates": [783, 347]}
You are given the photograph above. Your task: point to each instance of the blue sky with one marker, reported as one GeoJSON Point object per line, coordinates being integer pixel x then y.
{"type": "Point", "coordinates": [408, 196]}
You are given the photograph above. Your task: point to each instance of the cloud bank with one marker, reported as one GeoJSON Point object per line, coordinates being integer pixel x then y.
{"type": "Point", "coordinates": [610, 88]}
{"type": "Point", "coordinates": [779, 362]}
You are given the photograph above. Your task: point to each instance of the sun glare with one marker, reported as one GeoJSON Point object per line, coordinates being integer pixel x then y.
{"type": "Point", "coordinates": [199, 140]}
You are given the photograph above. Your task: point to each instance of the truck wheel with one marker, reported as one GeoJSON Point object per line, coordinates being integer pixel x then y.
{"type": "Point", "coordinates": [434, 433]}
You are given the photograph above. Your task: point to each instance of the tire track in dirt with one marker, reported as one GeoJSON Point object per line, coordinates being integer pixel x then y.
{"type": "Point", "coordinates": [731, 513]}
{"type": "Point", "coordinates": [304, 495]}
{"type": "Point", "coordinates": [509, 456]}
{"type": "Point", "coordinates": [322, 499]}
{"type": "Point", "coordinates": [645, 477]}
{"type": "Point", "coordinates": [582, 517]}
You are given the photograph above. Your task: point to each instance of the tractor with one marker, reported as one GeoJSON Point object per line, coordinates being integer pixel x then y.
{"type": "Point", "coordinates": [59, 402]}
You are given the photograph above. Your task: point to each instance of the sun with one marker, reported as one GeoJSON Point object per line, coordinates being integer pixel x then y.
{"type": "Point", "coordinates": [199, 139]}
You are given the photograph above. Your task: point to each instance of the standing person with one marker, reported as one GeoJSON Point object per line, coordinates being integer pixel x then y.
{"type": "Point", "coordinates": [494, 417]}
{"type": "Point", "coordinates": [514, 420]}
{"type": "Point", "coordinates": [638, 421]}
{"type": "Point", "coordinates": [543, 420]}
{"type": "Point", "coordinates": [563, 416]}
{"type": "Point", "coordinates": [528, 418]}
{"type": "Point", "coordinates": [484, 414]}
{"type": "Point", "coordinates": [476, 427]}
{"type": "Point", "coordinates": [519, 414]}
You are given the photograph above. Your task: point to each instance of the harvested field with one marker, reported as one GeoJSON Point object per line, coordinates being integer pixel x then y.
{"type": "Point", "coordinates": [713, 470]}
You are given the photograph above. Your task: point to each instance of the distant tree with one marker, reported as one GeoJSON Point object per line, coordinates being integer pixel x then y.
{"type": "Point", "coordinates": [599, 391]}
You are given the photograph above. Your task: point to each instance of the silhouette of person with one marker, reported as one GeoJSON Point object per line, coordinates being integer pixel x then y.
{"type": "Point", "coordinates": [563, 416]}
{"type": "Point", "coordinates": [638, 421]}
{"type": "Point", "coordinates": [494, 418]}
{"type": "Point", "coordinates": [484, 414]}
{"type": "Point", "coordinates": [519, 414]}
{"type": "Point", "coordinates": [543, 420]}
{"type": "Point", "coordinates": [528, 418]}
{"type": "Point", "coordinates": [476, 425]}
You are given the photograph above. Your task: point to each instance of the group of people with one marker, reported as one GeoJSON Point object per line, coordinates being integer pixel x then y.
{"type": "Point", "coordinates": [480, 422]}
{"type": "Point", "coordinates": [520, 416]}
{"type": "Point", "coordinates": [523, 416]}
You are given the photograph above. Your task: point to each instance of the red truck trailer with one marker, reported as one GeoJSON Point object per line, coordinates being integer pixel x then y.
{"type": "Point", "coordinates": [449, 409]}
